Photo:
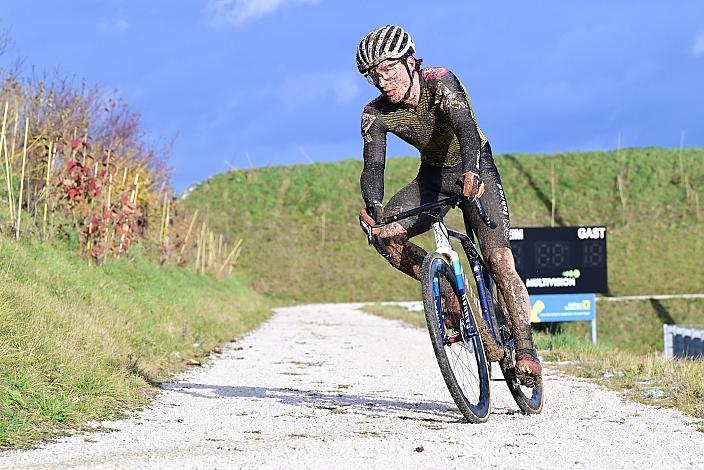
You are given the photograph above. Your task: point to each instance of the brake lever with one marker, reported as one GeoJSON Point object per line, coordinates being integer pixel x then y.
{"type": "Point", "coordinates": [369, 229]}
{"type": "Point", "coordinates": [480, 207]}
{"type": "Point", "coordinates": [482, 213]}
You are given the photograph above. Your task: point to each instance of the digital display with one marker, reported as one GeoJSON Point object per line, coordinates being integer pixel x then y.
{"type": "Point", "coordinates": [561, 260]}
{"type": "Point", "coordinates": [552, 254]}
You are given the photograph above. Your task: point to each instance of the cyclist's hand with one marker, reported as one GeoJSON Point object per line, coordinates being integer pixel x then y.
{"type": "Point", "coordinates": [472, 186]}
{"type": "Point", "coordinates": [370, 216]}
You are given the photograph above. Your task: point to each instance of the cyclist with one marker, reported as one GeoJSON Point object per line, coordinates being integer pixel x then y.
{"type": "Point", "coordinates": [430, 109]}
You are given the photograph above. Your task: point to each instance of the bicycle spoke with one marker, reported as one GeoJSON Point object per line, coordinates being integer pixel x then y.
{"type": "Point", "coordinates": [462, 363]}
{"type": "Point", "coordinates": [461, 354]}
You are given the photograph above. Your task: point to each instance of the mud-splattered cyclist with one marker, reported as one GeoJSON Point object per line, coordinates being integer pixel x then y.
{"type": "Point", "coordinates": [430, 109]}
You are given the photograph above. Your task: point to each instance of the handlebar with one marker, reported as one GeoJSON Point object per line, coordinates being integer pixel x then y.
{"type": "Point", "coordinates": [453, 201]}
{"type": "Point", "coordinates": [450, 201]}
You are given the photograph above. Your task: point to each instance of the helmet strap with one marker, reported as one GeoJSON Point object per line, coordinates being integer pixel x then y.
{"type": "Point", "coordinates": [410, 75]}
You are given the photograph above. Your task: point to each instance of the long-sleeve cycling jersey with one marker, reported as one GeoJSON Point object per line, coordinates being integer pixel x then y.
{"type": "Point", "coordinates": [442, 126]}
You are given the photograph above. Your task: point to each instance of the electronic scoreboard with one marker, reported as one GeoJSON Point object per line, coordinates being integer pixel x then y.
{"type": "Point", "coordinates": [561, 260]}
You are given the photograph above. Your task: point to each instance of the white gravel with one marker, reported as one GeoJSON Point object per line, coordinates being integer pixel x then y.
{"type": "Point", "coordinates": [324, 385]}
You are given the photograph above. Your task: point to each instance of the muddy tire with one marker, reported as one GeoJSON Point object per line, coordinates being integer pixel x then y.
{"type": "Point", "coordinates": [462, 363]}
{"type": "Point", "coordinates": [529, 399]}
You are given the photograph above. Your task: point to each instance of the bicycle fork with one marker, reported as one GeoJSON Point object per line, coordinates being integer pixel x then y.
{"type": "Point", "coordinates": [442, 243]}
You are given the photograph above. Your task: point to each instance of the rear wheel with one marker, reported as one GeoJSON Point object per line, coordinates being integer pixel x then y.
{"type": "Point", "coordinates": [457, 344]}
{"type": "Point", "coordinates": [529, 398]}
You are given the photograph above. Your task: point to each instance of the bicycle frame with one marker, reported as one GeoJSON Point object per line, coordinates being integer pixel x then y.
{"type": "Point", "coordinates": [442, 237]}
{"type": "Point", "coordinates": [442, 241]}
{"type": "Point", "coordinates": [530, 403]}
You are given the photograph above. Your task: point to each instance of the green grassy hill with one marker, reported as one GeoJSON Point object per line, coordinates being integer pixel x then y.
{"type": "Point", "coordinates": [80, 342]}
{"type": "Point", "coordinates": [302, 241]}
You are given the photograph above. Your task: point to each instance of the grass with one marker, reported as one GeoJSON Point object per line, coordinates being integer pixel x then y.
{"type": "Point", "coordinates": [636, 325]}
{"type": "Point", "coordinates": [647, 378]}
{"type": "Point", "coordinates": [302, 220]}
{"type": "Point", "coordinates": [80, 343]}
{"type": "Point", "coordinates": [414, 318]}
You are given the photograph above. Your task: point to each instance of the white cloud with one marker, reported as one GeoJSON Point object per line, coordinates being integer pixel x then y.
{"type": "Point", "coordinates": [237, 12]}
{"type": "Point", "coordinates": [698, 47]}
{"type": "Point", "coordinates": [110, 25]}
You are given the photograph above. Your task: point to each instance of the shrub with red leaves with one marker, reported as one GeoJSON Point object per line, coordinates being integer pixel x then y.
{"type": "Point", "coordinates": [103, 228]}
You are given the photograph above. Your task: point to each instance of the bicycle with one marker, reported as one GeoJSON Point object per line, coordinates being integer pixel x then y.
{"type": "Point", "coordinates": [457, 342]}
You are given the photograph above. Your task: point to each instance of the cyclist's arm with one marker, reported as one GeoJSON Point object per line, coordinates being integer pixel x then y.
{"type": "Point", "coordinates": [455, 103]}
{"type": "Point", "coordinates": [374, 135]}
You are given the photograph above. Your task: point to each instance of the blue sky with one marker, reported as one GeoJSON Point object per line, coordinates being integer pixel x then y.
{"type": "Point", "coordinates": [276, 79]}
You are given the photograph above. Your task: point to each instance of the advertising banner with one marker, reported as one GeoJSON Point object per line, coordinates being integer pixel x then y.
{"type": "Point", "coordinates": [562, 307]}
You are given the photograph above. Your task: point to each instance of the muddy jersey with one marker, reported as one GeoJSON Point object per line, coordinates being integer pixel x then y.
{"type": "Point", "coordinates": [442, 127]}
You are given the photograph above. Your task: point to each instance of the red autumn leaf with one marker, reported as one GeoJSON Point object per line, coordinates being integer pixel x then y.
{"type": "Point", "coordinates": [75, 143]}
{"type": "Point", "coordinates": [72, 193]}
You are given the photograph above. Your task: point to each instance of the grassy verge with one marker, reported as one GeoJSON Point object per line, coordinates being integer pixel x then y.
{"type": "Point", "coordinates": [636, 325]}
{"type": "Point", "coordinates": [81, 343]}
{"type": "Point", "coordinates": [414, 318]}
{"type": "Point", "coordinates": [647, 378]}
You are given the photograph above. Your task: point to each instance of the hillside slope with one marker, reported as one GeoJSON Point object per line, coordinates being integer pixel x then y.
{"type": "Point", "coordinates": [80, 342]}
{"type": "Point", "coordinates": [302, 240]}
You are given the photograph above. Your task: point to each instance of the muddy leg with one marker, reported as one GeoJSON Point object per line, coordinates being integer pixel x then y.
{"type": "Point", "coordinates": [514, 295]}
{"type": "Point", "coordinates": [516, 306]}
{"type": "Point", "coordinates": [405, 256]}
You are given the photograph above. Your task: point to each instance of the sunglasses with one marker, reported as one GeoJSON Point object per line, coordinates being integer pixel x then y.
{"type": "Point", "coordinates": [385, 70]}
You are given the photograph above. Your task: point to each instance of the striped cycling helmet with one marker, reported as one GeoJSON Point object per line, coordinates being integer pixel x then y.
{"type": "Point", "coordinates": [387, 42]}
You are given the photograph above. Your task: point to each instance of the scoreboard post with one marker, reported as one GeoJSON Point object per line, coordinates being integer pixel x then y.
{"type": "Point", "coordinates": [563, 268]}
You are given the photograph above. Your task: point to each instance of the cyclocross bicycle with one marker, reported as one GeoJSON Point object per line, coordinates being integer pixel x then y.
{"type": "Point", "coordinates": [455, 336]}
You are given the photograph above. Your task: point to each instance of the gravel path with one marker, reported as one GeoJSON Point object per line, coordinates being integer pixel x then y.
{"type": "Point", "coordinates": [324, 385]}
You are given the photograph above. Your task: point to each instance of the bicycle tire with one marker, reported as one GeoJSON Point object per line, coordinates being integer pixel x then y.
{"type": "Point", "coordinates": [528, 405]}
{"type": "Point", "coordinates": [474, 402]}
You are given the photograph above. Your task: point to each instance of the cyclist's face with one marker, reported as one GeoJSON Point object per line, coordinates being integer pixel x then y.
{"type": "Point", "coordinates": [391, 78]}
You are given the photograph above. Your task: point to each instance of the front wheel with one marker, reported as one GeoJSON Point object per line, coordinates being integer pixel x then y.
{"type": "Point", "coordinates": [456, 341]}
